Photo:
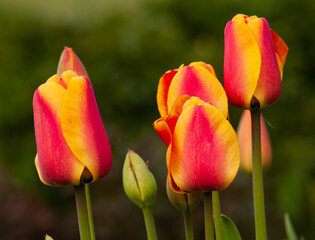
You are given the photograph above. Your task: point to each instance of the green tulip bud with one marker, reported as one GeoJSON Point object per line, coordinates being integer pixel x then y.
{"type": "Point", "coordinates": [183, 202]}
{"type": "Point", "coordinates": [139, 183]}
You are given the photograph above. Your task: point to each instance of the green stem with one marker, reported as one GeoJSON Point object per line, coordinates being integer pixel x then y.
{"type": "Point", "coordinates": [217, 215]}
{"type": "Point", "coordinates": [82, 212]}
{"type": "Point", "coordinates": [209, 232]}
{"type": "Point", "coordinates": [258, 185]}
{"type": "Point", "coordinates": [149, 223]}
{"type": "Point", "coordinates": [89, 210]}
{"type": "Point", "coordinates": [188, 226]}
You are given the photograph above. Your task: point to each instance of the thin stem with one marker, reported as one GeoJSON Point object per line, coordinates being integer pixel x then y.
{"type": "Point", "coordinates": [217, 215]}
{"type": "Point", "coordinates": [209, 232]}
{"type": "Point", "coordinates": [188, 226]}
{"type": "Point", "coordinates": [89, 210]}
{"type": "Point", "coordinates": [258, 185]}
{"type": "Point", "coordinates": [82, 212]}
{"type": "Point", "coordinates": [149, 223]}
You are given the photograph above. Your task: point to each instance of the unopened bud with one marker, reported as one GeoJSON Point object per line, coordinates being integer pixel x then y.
{"type": "Point", "coordinates": [139, 183]}
{"type": "Point", "coordinates": [183, 202]}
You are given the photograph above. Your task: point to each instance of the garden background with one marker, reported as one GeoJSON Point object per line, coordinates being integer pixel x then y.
{"type": "Point", "coordinates": [126, 46]}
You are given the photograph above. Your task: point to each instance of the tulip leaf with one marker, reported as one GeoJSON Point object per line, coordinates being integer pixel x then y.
{"type": "Point", "coordinates": [291, 235]}
{"type": "Point", "coordinates": [229, 229]}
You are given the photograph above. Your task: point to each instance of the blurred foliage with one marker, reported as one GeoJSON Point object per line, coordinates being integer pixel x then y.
{"type": "Point", "coordinates": [126, 46]}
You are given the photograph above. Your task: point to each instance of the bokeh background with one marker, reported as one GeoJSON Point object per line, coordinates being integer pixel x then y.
{"type": "Point", "coordinates": [126, 47]}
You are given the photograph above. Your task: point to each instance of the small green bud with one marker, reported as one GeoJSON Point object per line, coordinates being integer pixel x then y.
{"type": "Point", "coordinates": [139, 183]}
{"type": "Point", "coordinates": [183, 202]}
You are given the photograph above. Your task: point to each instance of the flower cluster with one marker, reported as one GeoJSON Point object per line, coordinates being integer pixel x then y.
{"type": "Point", "coordinates": [203, 150]}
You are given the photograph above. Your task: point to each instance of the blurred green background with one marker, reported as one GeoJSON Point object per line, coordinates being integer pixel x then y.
{"type": "Point", "coordinates": [126, 46]}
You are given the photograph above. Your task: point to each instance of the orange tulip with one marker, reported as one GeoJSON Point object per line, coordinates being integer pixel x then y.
{"type": "Point", "coordinates": [254, 57]}
{"type": "Point", "coordinates": [72, 145]}
{"type": "Point", "coordinates": [244, 134]}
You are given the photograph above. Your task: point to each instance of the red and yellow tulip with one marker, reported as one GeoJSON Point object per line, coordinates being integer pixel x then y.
{"type": "Point", "coordinates": [244, 134]}
{"type": "Point", "coordinates": [203, 152]}
{"type": "Point", "coordinates": [254, 57]}
{"type": "Point", "coordinates": [72, 145]}
{"type": "Point", "coordinates": [197, 80]}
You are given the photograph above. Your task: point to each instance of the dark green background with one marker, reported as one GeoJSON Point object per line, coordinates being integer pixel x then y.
{"type": "Point", "coordinates": [126, 47]}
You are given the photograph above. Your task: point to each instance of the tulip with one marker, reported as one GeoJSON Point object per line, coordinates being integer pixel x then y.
{"type": "Point", "coordinates": [203, 154]}
{"type": "Point", "coordinates": [72, 145]}
{"type": "Point", "coordinates": [254, 57]}
{"type": "Point", "coordinates": [244, 134]}
{"type": "Point", "coordinates": [196, 80]}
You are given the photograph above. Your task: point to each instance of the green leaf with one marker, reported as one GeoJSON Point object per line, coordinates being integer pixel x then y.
{"type": "Point", "coordinates": [291, 235]}
{"type": "Point", "coordinates": [229, 229]}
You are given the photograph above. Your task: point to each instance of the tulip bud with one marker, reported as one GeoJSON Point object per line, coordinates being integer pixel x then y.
{"type": "Point", "coordinates": [244, 135]}
{"type": "Point", "coordinates": [254, 57]}
{"type": "Point", "coordinates": [72, 145]}
{"type": "Point", "coordinates": [185, 202]}
{"type": "Point", "coordinates": [139, 183]}
{"type": "Point", "coordinates": [70, 61]}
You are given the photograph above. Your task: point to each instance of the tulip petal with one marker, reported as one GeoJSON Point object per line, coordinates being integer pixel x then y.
{"type": "Point", "coordinates": [244, 135]}
{"type": "Point", "coordinates": [204, 65]}
{"type": "Point", "coordinates": [269, 84]}
{"type": "Point", "coordinates": [83, 129]}
{"type": "Point", "coordinates": [162, 92]}
{"type": "Point", "coordinates": [162, 129]}
{"type": "Point", "coordinates": [173, 185]}
{"type": "Point", "coordinates": [205, 152]}
{"type": "Point", "coordinates": [242, 62]}
{"type": "Point", "coordinates": [165, 126]}
{"type": "Point", "coordinates": [70, 61]}
{"type": "Point", "coordinates": [199, 82]}
{"type": "Point", "coordinates": [281, 50]}
{"type": "Point", "coordinates": [55, 162]}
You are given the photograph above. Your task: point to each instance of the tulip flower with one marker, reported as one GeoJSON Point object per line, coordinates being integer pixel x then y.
{"type": "Point", "coordinates": [244, 134]}
{"type": "Point", "coordinates": [203, 154]}
{"type": "Point", "coordinates": [254, 57]}
{"type": "Point", "coordinates": [72, 145]}
{"type": "Point", "coordinates": [196, 80]}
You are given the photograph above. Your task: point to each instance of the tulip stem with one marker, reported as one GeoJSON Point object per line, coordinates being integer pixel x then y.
{"type": "Point", "coordinates": [89, 209]}
{"type": "Point", "coordinates": [258, 185]}
{"type": "Point", "coordinates": [82, 212]}
{"type": "Point", "coordinates": [209, 232]}
{"type": "Point", "coordinates": [188, 225]}
{"type": "Point", "coordinates": [217, 215]}
{"type": "Point", "coordinates": [149, 223]}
